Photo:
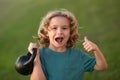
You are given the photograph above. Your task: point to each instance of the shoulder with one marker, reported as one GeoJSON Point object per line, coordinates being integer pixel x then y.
{"type": "Point", "coordinates": [79, 52]}
{"type": "Point", "coordinates": [42, 50]}
{"type": "Point", "coordinates": [45, 51]}
{"type": "Point", "coordinates": [76, 50]}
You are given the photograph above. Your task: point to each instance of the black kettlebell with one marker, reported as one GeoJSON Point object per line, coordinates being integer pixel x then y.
{"type": "Point", "coordinates": [25, 63]}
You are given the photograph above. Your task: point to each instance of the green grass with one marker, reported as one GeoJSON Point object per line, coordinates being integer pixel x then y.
{"type": "Point", "coordinates": [19, 20]}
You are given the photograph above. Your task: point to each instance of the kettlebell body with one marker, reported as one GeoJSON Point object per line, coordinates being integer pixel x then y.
{"type": "Point", "coordinates": [25, 63]}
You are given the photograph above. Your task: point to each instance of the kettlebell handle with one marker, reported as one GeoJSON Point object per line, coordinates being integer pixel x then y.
{"type": "Point", "coordinates": [33, 55]}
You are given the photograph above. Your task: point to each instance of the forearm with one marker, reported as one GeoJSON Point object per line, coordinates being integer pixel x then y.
{"type": "Point", "coordinates": [37, 73]}
{"type": "Point", "coordinates": [101, 63]}
{"type": "Point", "coordinates": [100, 60]}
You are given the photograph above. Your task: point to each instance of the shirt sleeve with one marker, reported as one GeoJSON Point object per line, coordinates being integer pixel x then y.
{"type": "Point", "coordinates": [88, 62]}
{"type": "Point", "coordinates": [42, 60]}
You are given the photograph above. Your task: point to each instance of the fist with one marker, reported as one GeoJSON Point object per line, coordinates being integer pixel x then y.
{"type": "Point", "coordinates": [31, 46]}
{"type": "Point", "coordinates": [30, 49]}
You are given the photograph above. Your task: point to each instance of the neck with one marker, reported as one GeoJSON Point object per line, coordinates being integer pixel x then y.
{"type": "Point", "coordinates": [58, 49]}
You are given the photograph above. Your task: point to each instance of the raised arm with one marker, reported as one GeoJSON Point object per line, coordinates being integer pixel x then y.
{"type": "Point", "coordinates": [37, 73]}
{"type": "Point", "coordinates": [101, 63]}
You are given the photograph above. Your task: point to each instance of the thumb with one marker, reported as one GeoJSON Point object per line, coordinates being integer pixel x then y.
{"type": "Point", "coordinates": [85, 38]}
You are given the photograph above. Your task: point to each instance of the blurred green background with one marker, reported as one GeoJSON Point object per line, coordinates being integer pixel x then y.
{"type": "Point", "coordinates": [99, 20]}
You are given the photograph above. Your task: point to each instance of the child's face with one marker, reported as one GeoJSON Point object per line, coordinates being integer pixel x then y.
{"type": "Point", "coordinates": [59, 31]}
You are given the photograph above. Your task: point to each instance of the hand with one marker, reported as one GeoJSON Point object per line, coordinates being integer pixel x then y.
{"type": "Point", "coordinates": [31, 46]}
{"type": "Point", "coordinates": [88, 45]}
{"type": "Point", "coordinates": [30, 49]}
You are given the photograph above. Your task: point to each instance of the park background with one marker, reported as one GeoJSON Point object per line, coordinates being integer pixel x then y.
{"type": "Point", "coordinates": [98, 19]}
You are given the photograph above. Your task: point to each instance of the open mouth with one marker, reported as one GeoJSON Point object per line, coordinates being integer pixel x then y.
{"type": "Point", "coordinates": [59, 39]}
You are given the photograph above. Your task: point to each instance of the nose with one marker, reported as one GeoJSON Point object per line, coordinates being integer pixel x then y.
{"type": "Point", "coordinates": [59, 31]}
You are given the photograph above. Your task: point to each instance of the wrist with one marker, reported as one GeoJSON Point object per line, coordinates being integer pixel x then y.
{"type": "Point", "coordinates": [96, 49]}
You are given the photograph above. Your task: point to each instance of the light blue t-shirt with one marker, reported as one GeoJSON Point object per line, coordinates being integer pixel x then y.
{"type": "Point", "coordinates": [68, 65]}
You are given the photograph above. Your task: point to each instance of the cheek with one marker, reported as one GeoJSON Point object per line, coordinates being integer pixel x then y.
{"type": "Point", "coordinates": [67, 35]}
{"type": "Point", "coordinates": [51, 34]}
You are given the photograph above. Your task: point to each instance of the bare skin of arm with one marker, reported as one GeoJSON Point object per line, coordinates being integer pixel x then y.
{"type": "Point", "coordinates": [101, 63]}
{"type": "Point", "coordinates": [37, 73]}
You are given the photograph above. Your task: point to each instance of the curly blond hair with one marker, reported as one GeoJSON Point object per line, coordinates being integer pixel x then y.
{"type": "Point", "coordinates": [43, 28]}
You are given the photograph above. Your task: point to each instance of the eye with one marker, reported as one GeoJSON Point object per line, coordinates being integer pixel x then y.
{"type": "Point", "coordinates": [64, 28]}
{"type": "Point", "coordinates": [54, 28]}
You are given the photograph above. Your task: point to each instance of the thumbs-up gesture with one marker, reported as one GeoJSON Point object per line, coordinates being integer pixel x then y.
{"type": "Point", "coordinates": [101, 63]}
{"type": "Point", "coordinates": [88, 45]}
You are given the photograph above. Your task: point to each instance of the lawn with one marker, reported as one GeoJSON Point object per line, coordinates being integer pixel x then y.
{"type": "Point", "coordinates": [98, 19]}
